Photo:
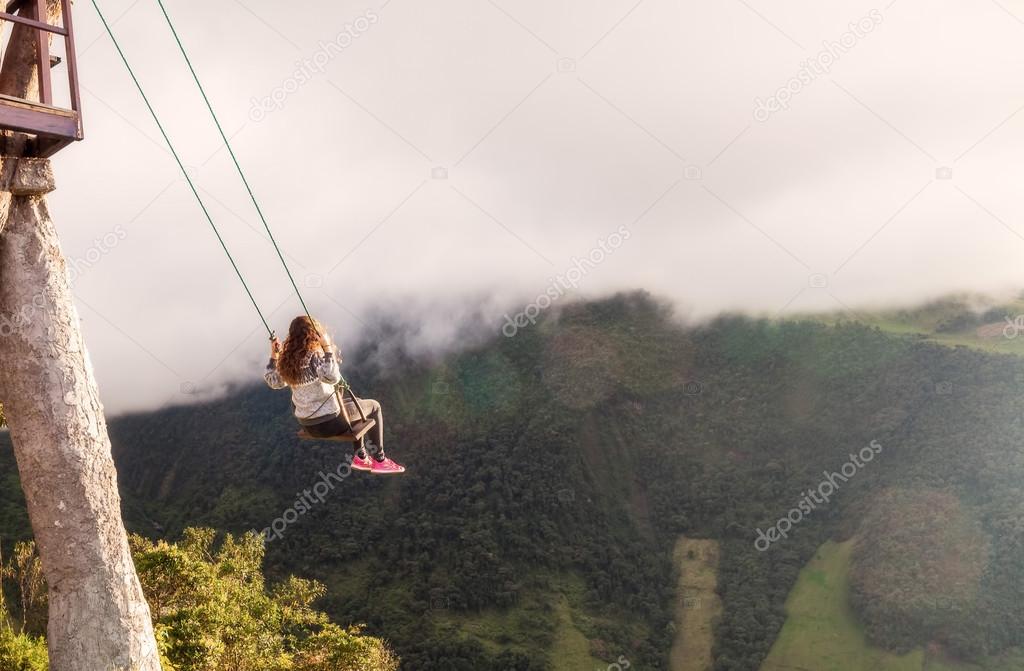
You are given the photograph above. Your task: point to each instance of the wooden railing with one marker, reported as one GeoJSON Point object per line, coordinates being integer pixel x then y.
{"type": "Point", "coordinates": [55, 127]}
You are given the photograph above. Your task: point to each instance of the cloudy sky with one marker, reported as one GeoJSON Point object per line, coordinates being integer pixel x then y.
{"type": "Point", "coordinates": [439, 160]}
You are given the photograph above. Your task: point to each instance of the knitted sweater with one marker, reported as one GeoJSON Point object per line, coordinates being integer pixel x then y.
{"type": "Point", "coordinates": [313, 396]}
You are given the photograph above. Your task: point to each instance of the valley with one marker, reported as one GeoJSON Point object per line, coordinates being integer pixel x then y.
{"type": "Point", "coordinates": [576, 491]}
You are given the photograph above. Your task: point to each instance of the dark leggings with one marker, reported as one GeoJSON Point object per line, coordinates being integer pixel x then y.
{"type": "Point", "coordinates": [337, 426]}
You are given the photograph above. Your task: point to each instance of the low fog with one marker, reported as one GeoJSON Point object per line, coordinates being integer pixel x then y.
{"type": "Point", "coordinates": [447, 163]}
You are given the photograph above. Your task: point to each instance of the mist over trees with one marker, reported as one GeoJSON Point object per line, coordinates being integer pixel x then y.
{"type": "Point", "coordinates": [568, 459]}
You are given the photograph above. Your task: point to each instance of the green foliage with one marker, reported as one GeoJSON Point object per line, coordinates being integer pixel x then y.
{"type": "Point", "coordinates": [22, 575]}
{"type": "Point", "coordinates": [336, 649]}
{"type": "Point", "coordinates": [22, 652]}
{"type": "Point", "coordinates": [19, 651]}
{"type": "Point", "coordinates": [26, 570]}
{"type": "Point", "coordinates": [213, 612]}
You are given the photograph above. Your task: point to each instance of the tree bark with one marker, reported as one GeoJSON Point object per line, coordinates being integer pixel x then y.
{"type": "Point", "coordinates": [99, 619]}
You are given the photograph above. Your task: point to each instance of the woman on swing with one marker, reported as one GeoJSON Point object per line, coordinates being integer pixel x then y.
{"type": "Point", "coordinates": [308, 362]}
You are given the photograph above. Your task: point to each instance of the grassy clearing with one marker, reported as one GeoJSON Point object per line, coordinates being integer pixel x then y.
{"type": "Point", "coordinates": [527, 628]}
{"type": "Point", "coordinates": [551, 622]}
{"type": "Point", "coordinates": [571, 649]}
{"type": "Point", "coordinates": [697, 604]}
{"type": "Point", "coordinates": [821, 631]}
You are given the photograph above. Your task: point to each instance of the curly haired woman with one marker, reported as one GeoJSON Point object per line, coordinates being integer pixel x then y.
{"type": "Point", "coordinates": [308, 363]}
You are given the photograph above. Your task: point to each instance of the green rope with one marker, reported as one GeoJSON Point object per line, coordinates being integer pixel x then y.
{"type": "Point", "coordinates": [241, 173]}
{"type": "Point", "coordinates": [181, 165]}
{"type": "Point", "coordinates": [234, 158]}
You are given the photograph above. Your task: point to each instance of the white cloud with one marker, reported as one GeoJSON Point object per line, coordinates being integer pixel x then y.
{"type": "Point", "coordinates": [540, 164]}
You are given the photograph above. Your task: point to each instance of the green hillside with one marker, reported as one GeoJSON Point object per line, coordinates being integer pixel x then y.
{"type": "Point", "coordinates": [979, 322]}
{"type": "Point", "coordinates": [551, 474]}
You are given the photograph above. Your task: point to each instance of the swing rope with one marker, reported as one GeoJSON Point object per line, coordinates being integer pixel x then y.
{"type": "Point", "coordinates": [234, 158]}
{"type": "Point", "coordinates": [181, 165]}
{"type": "Point", "coordinates": [343, 385]}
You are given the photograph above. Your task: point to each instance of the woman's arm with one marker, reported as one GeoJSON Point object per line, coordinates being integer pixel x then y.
{"type": "Point", "coordinates": [272, 376]}
{"type": "Point", "coordinates": [328, 365]}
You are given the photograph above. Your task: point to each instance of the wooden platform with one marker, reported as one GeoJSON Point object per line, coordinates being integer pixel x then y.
{"type": "Point", "coordinates": [53, 127]}
{"type": "Point", "coordinates": [359, 429]}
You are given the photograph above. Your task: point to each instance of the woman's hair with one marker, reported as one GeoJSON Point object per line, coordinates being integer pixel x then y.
{"type": "Point", "coordinates": [303, 338]}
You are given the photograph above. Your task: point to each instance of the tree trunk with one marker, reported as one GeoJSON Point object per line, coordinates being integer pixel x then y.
{"type": "Point", "coordinates": [99, 619]}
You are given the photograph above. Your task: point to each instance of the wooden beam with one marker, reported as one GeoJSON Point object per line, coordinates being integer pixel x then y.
{"type": "Point", "coordinates": [34, 106]}
{"type": "Point", "coordinates": [72, 56]}
{"type": "Point", "coordinates": [39, 25]}
{"type": "Point", "coordinates": [27, 120]}
{"type": "Point", "coordinates": [48, 146]}
{"type": "Point", "coordinates": [43, 56]}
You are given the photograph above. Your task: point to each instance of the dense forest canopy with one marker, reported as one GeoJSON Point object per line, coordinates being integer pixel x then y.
{"type": "Point", "coordinates": [567, 460]}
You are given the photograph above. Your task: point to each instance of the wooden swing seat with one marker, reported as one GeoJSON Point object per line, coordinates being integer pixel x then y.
{"type": "Point", "coordinates": [359, 429]}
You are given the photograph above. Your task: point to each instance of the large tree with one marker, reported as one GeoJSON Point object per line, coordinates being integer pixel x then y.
{"type": "Point", "coordinates": [98, 619]}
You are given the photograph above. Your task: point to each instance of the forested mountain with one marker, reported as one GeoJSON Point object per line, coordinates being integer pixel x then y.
{"type": "Point", "coordinates": [551, 473]}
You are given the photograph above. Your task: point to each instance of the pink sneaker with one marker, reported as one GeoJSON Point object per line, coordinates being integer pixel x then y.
{"type": "Point", "coordinates": [359, 464]}
{"type": "Point", "coordinates": [386, 467]}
